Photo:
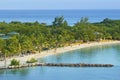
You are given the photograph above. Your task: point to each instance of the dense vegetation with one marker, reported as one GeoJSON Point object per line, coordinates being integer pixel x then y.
{"type": "Point", "coordinates": [35, 36]}
{"type": "Point", "coordinates": [14, 62]}
{"type": "Point", "coordinates": [32, 60]}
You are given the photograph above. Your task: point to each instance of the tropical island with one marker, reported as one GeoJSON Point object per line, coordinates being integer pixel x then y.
{"type": "Point", "coordinates": [24, 40]}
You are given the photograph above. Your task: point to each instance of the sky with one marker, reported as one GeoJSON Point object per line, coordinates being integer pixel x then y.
{"type": "Point", "coordinates": [59, 4]}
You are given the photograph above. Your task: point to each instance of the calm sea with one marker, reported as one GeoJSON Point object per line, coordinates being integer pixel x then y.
{"type": "Point", "coordinates": [98, 54]}
{"type": "Point", "coordinates": [47, 16]}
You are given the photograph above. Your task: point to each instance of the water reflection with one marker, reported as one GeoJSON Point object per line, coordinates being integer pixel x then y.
{"type": "Point", "coordinates": [2, 72]}
{"type": "Point", "coordinates": [21, 72]}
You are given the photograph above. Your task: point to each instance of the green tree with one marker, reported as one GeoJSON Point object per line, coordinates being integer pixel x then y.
{"type": "Point", "coordinates": [59, 22]}
{"type": "Point", "coordinates": [14, 62]}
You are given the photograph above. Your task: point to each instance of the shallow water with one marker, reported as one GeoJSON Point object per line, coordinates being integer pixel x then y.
{"type": "Point", "coordinates": [99, 54]}
{"type": "Point", "coordinates": [108, 54]}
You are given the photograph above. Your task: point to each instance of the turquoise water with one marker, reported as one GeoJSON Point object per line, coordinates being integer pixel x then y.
{"type": "Point", "coordinates": [100, 54]}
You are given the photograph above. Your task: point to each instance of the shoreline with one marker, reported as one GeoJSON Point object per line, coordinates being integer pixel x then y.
{"type": "Point", "coordinates": [59, 51]}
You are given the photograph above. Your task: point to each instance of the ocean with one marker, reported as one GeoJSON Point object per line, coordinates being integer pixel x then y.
{"type": "Point", "coordinates": [47, 16]}
{"type": "Point", "coordinates": [106, 54]}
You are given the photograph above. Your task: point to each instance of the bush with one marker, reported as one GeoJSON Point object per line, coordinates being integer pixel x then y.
{"type": "Point", "coordinates": [14, 62]}
{"type": "Point", "coordinates": [32, 60]}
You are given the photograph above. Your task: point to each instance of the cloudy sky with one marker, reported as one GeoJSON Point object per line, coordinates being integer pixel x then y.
{"type": "Point", "coordinates": [59, 4]}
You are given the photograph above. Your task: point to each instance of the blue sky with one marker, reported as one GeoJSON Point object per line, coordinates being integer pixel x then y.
{"type": "Point", "coordinates": [59, 4]}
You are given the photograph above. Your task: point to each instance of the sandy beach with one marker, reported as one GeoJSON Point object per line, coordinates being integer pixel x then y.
{"type": "Point", "coordinates": [59, 51]}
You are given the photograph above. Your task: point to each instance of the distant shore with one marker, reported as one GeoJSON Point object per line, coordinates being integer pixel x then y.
{"type": "Point", "coordinates": [58, 51]}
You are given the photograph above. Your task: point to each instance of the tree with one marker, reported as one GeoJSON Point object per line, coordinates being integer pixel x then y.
{"type": "Point", "coordinates": [84, 20]}
{"type": "Point", "coordinates": [25, 43]}
{"type": "Point", "coordinates": [59, 22]}
{"type": "Point", "coordinates": [32, 60]}
{"type": "Point", "coordinates": [14, 62]}
{"type": "Point", "coordinates": [40, 36]}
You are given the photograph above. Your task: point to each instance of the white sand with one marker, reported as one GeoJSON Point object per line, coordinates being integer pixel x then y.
{"type": "Point", "coordinates": [59, 50]}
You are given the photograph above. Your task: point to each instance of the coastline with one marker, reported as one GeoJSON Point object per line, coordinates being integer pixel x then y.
{"type": "Point", "coordinates": [59, 51]}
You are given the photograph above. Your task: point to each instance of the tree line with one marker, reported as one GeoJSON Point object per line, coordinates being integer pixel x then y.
{"type": "Point", "coordinates": [40, 36]}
